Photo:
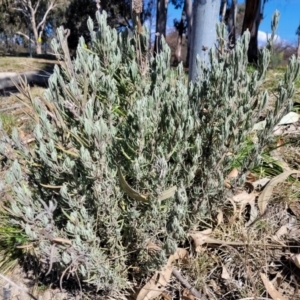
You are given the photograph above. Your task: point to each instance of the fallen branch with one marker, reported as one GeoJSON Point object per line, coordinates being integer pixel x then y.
{"type": "Point", "coordinates": [184, 282]}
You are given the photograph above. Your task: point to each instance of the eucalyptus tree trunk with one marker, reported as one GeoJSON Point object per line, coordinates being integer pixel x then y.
{"type": "Point", "coordinates": [232, 24]}
{"type": "Point", "coordinates": [205, 18]}
{"type": "Point", "coordinates": [298, 48]}
{"type": "Point", "coordinates": [252, 18]}
{"type": "Point", "coordinates": [223, 10]}
{"type": "Point", "coordinates": [161, 24]}
{"type": "Point", "coordinates": [180, 30]}
{"type": "Point", "coordinates": [189, 20]}
{"type": "Point", "coordinates": [32, 11]}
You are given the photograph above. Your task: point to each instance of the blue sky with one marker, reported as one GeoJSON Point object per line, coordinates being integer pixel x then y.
{"type": "Point", "coordinates": [288, 23]}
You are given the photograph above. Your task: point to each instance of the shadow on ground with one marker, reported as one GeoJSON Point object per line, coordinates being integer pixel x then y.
{"type": "Point", "coordinates": [35, 75]}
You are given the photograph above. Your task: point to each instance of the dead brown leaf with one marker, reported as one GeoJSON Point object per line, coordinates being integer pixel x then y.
{"type": "Point", "coordinates": [166, 296]}
{"type": "Point", "coordinates": [234, 173]}
{"type": "Point", "coordinates": [227, 183]}
{"type": "Point", "coordinates": [225, 274]}
{"type": "Point", "coordinates": [280, 232]}
{"type": "Point", "coordinates": [271, 289]}
{"type": "Point", "coordinates": [260, 184]}
{"type": "Point", "coordinates": [266, 194]}
{"type": "Point", "coordinates": [203, 237]}
{"type": "Point", "coordinates": [235, 212]}
{"type": "Point", "coordinates": [249, 187]}
{"type": "Point", "coordinates": [244, 197]}
{"type": "Point", "coordinates": [200, 238]}
{"type": "Point", "coordinates": [61, 240]}
{"type": "Point", "coordinates": [187, 295]}
{"type": "Point", "coordinates": [280, 142]}
{"type": "Point", "coordinates": [220, 217]}
{"type": "Point", "coordinates": [180, 253]}
{"type": "Point", "coordinates": [295, 208]}
{"type": "Point", "coordinates": [251, 177]}
{"type": "Point", "coordinates": [296, 260]}
{"type": "Point", "coordinates": [156, 285]}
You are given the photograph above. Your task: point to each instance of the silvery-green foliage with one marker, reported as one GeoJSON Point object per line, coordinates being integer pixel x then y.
{"type": "Point", "coordinates": [113, 112]}
{"type": "Point", "coordinates": [228, 100]}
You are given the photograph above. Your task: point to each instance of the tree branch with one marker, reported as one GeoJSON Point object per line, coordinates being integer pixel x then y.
{"type": "Point", "coordinates": [26, 36]}
{"type": "Point", "coordinates": [51, 7]}
{"type": "Point", "coordinates": [24, 12]}
{"type": "Point", "coordinates": [36, 6]}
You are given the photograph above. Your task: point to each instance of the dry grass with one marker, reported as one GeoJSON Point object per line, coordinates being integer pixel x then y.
{"type": "Point", "coordinates": [15, 113]}
{"type": "Point", "coordinates": [233, 272]}
{"type": "Point", "coordinates": [22, 64]}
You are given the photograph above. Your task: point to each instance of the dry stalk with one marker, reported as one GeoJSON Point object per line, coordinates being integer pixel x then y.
{"type": "Point", "coordinates": [186, 284]}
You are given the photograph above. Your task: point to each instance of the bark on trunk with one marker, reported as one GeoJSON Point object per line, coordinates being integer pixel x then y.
{"type": "Point", "coordinates": [189, 19]}
{"type": "Point", "coordinates": [223, 10]}
{"type": "Point", "coordinates": [232, 24]}
{"type": "Point", "coordinates": [161, 24]}
{"type": "Point", "coordinates": [180, 29]}
{"type": "Point", "coordinates": [251, 22]}
{"type": "Point", "coordinates": [38, 48]}
{"type": "Point", "coordinates": [204, 36]}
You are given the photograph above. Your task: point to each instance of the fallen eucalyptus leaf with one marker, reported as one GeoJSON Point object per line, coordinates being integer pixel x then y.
{"type": "Point", "coordinates": [251, 177]}
{"type": "Point", "coordinates": [260, 125]}
{"type": "Point", "coordinates": [187, 295]}
{"type": "Point", "coordinates": [168, 193]}
{"type": "Point", "coordinates": [220, 217]}
{"type": "Point", "coordinates": [180, 253]}
{"type": "Point", "coordinates": [129, 190]}
{"type": "Point", "coordinates": [271, 289]}
{"type": "Point", "coordinates": [296, 260]}
{"type": "Point", "coordinates": [225, 274]}
{"type": "Point", "coordinates": [260, 184]}
{"type": "Point", "coordinates": [234, 173]}
{"type": "Point", "coordinates": [280, 232]}
{"type": "Point", "coordinates": [140, 197]}
{"type": "Point", "coordinates": [200, 238]}
{"type": "Point", "coordinates": [266, 194]}
{"type": "Point", "coordinates": [290, 118]}
{"type": "Point", "coordinates": [244, 197]}
{"type": "Point", "coordinates": [156, 285]}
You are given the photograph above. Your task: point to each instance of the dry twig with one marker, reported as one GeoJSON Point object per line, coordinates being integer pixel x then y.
{"type": "Point", "coordinates": [184, 282]}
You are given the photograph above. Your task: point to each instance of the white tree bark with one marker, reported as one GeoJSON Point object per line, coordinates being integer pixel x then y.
{"type": "Point", "coordinates": [204, 36]}
{"type": "Point", "coordinates": [232, 24]}
{"type": "Point", "coordinates": [298, 47]}
{"type": "Point", "coordinates": [30, 10]}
